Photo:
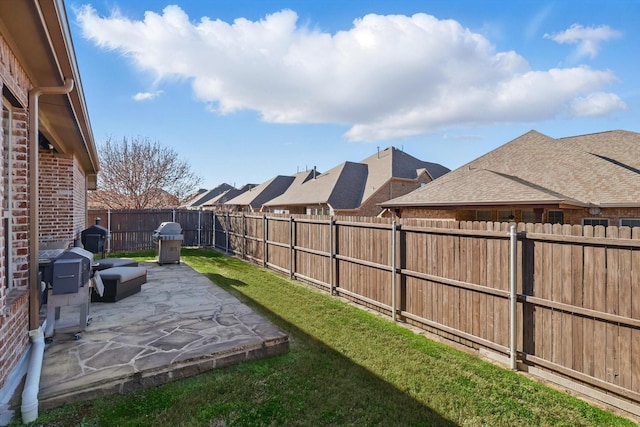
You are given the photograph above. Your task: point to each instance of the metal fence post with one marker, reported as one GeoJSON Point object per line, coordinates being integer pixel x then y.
{"type": "Point", "coordinates": [332, 285]}
{"type": "Point", "coordinates": [394, 307]}
{"type": "Point", "coordinates": [226, 232]}
{"type": "Point", "coordinates": [292, 243]}
{"type": "Point", "coordinates": [199, 228]}
{"type": "Point", "coordinates": [513, 297]}
{"type": "Point", "coordinates": [265, 231]}
{"type": "Point", "coordinates": [244, 236]}
{"type": "Point", "coordinates": [109, 230]}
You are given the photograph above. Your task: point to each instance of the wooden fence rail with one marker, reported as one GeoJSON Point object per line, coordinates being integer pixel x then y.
{"type": "Point", "coordinates": [576, 304]}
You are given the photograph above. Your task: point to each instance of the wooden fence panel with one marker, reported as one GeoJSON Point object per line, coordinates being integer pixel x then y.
{"type": "Point", "coordinates": [314, 261]}
{"type": "Point", "coordinates": [220, 231]}
{"type": "Point", "coordinates": [364, 260]}
{"type": "Point", "coordinates": [236, 234]}
{"type": "Point", "coordinates": [279, 249]}
{"type": "Point", "coordinates": [254, 237]}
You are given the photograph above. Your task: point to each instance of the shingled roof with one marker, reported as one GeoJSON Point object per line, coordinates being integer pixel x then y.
{"type": "Point", "coordinates": [257, 196]}
{"type": "Point", "coordinates": [204, 196]}
{"type": "Point", "coordinates": [224, 197]}
{"type": "Point", "coordinates": [350, 184]}
{"type": "Point", "coordinates": [600, 169]}
{"type": "Point", "coordinates": [331, 187]}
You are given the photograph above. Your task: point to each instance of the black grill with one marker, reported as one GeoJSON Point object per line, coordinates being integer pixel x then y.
{"type": "Point", "coordinates": [94, 238]}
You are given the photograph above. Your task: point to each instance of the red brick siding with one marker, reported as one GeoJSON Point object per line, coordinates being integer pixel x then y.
{"type": "Point", "coordinates": [79, 199]}
{"type": "Point", "coordinates": [14, 325]}
{"type": "Point", "coordinates": [575, 216]}
{"type": "Point", "coordinates": [12, 75]}
{"type": "Point", "coordinates": [571, 216]}
{"type": "Point", "coordinates": [393, 188]}
{"type": "Point", "coordinates": [56, 197]}
{"type": "Point", "coordinates": [20, 199]}
{"type": "Point", "coordinates": [14, 301]}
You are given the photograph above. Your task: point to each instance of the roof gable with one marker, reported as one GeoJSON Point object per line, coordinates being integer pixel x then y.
{"type": "Point", "coordinates": [257, 196]}
{"type": "Point", "coordinates": [394, 163]}
{"type": "Point", "coordinates": [204, 196]}
{"type": "Point", "coordinates": [350, 184]}
{"type": "Point", "coordinates": [319, 190]}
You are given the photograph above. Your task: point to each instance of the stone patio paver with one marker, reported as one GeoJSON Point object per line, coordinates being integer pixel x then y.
{"type": "Point", "coordinates": [180, 324]}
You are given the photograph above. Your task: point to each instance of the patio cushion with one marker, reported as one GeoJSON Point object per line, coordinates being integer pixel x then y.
{"type": "Point", "coordinates": [104, 263]}
{"type": "Point", "coordinates": [119, 283]}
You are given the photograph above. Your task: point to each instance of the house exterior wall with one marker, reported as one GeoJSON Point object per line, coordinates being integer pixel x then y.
{"type": "Point", "coordinates": [80, 209]}
{"type": "Point", "coordinates": [14, 301]}
{"type": "Point", "coordinates": [62, 198]}
{"type": "Point", "coordinates": [393, 188]}
{"type": "Point", "coordinates": [571, 216]}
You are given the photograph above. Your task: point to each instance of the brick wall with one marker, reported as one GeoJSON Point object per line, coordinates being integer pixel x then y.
{"type": "Point", "coordinates": [57, 216]}
{"type": "Point", "coordinates": [14, 326]}
{"type": "Point", "coordinates": [79, 199]}
{"type": "Point", "coordinates": [393, 188]}
{"type": "Point", "coordinates": [571, 216]}
{"type": "Point", "coordinates": [14, 300]}
{"type": "Point", "coordinates": [20, 199]}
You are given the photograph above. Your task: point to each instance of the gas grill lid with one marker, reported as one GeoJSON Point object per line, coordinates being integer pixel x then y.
{"type": "Point", "coordinates": [168, 228]}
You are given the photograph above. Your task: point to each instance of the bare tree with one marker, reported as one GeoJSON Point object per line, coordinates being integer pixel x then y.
{"type": "Point", "coordinates": [140, 174]}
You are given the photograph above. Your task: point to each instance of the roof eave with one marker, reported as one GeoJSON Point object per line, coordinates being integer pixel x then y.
{"type": "Point", "coordinates": [454, 204]}
{"type": "Point", "coordinates": [39, 35]}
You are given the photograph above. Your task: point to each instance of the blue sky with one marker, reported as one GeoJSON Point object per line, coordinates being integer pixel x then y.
{"type": "Point", "coordinates": [247, 90]}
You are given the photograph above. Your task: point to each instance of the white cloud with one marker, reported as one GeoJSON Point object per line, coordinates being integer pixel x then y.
{"type": "Point", "coordinates": [588, 39]}
{"type": "Point", "coordinates": [386, 77]}
{"type": "Point", "coordinates": [596, 104]}
{"type": "Point", "coordinates": [145, 96]}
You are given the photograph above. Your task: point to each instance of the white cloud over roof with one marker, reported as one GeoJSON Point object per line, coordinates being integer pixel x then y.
{"type": "Point", "coordinates": [385, 77]}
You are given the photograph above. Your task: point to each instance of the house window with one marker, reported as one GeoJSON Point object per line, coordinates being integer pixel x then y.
{"type": "Point", "coordinates": [318, 210]}
{"type": "Point", "coordinates": [6, 187]}
{"type": "Point", "coordinates": [630, 222]}
{"type": "Point", "coordinates": [483, 215]}
{"type": "Point", "coordinates": [528, 216]}
{"type": "Point", "coordinates": [595, 221]}
{"type": "Point", "coordinates": [505, 216]}
{"type": "Point", "coordinates": [555, 217]}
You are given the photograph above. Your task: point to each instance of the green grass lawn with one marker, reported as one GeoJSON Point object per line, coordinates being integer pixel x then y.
{"type": "Point", "coordinates": [345, 367]}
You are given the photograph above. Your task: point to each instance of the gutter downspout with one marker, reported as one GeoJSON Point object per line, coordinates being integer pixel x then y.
{"type": "Point", "coordinates": [29, 405]}
{"type": "Point", "coordinates": [32, 385]}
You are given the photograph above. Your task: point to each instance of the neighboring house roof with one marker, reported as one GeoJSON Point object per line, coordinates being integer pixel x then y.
{"type": "Point", "coordinates": [600, 169]}
{"type": "Point", "coordinates": [224, 197]}
{"type": "Point", "coordinates": [204, 196]}
{"type": "Point", "coordinates": [195, 196]}
{"type": "Point", "coordinates": [332, 187]}
{"type": "Point", "coordinates": [394, 163]}
{"type": "Point", "coordinates": [259, 195]}
{"type": "Point", "coordinates": [39, 32]}
{"type": "Point", "coordinates": [349, 185]}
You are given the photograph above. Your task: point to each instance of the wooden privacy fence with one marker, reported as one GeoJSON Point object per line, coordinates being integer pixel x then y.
{"type": "Point", "coordinates": [132, 230]}
{"type": "Point", "coordinates": [562, 300]}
